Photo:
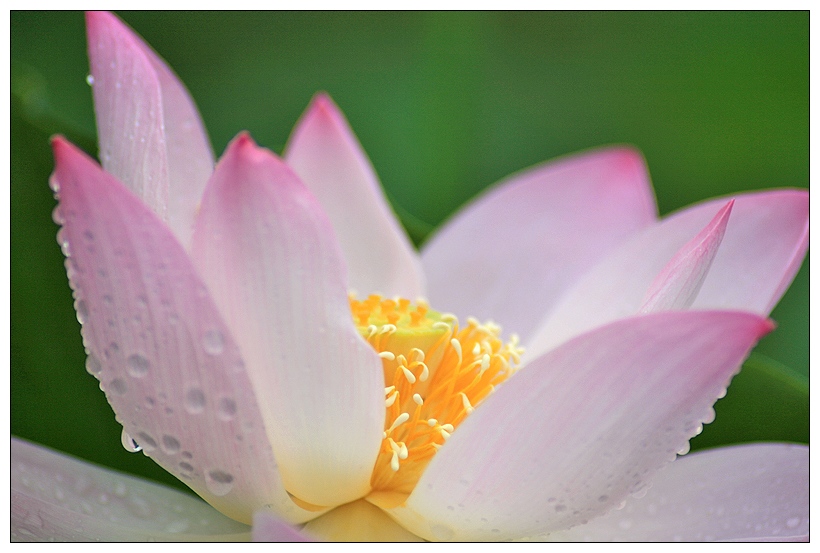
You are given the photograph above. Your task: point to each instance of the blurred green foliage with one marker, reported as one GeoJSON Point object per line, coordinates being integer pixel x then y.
{"type": "Point", "coordinates": [445, 104]}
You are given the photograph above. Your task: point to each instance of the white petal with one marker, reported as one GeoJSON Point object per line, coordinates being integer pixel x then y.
{"type": "Point", "coordinates": [269, 256]}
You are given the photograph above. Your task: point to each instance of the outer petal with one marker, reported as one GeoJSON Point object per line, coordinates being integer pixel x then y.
{"type": "Point", "coordinates": [551, 223]}
{"type": "Point", "coordinates": [58, 498]}
{"type": "Point", "coordinates": [151, 136]}
{"type": "Point", "coordinates": [754, 492]}
{"type": "Point", "coordinates": [577, 430]}
{"type": "Point", "coordinates": [268, 254]}
{"type": "Point", "coordinates": [326, 155]}
{"type": "Point", "coordinates": [168, 364]}
{"type": "Point", "coordinates": [764, 243]}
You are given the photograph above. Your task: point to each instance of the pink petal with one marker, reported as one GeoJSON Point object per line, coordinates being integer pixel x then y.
{"type": "Point", "coordinates": [268, 254]}
{"type": "Point", "coordinates": [679, 282]}
{"type": "Point", "coordinates": [579, 429]}
{"type": "Point", "coordinates": [327, 157]}
{"type": "Point", "coordinates": [269, 528]}
{"type": "Point", "coordinates": [58, 498]}
{"type": "Point", "coordinates": [169, 366]}
{"type": "Point", "coordinates": [762, 248]}
{"type": "Point", "coordinates": [151, 135]}
{"type": "Point", "coordinates": [755, 492]}
{"type": "Point", "coordinates": [512, 253]}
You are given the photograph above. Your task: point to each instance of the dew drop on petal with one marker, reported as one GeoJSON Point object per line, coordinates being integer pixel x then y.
{"type": "Point", "coordinates": [146, 441]}
{"type": "Point", "coordinates": [138, 365]}
{"type": "Point", "coordinates": [93, 365]}
{"type": "Point", "coordinates": [57, 216]}
{"type": "Point", "coordinates": [119, 386]}
{"type": "Point", "coordinates": [82, 311]}
{"type": "Point", "coordinates": [226, 409]}
{"type": "Point", "coordinates": [128, 443]}
{"type": "Point", "coordinates": [213, 342]}
{"type": "Point", "coordinates": [170, 445]}
{"type": "Point", "coordinates": [194, 401]}
{"type": "Point", "coordinates": [442, 532]}
{"type": "Point", "coordinates": [90, 80]}
{"type": "Point", "coordinates": [219, 482]}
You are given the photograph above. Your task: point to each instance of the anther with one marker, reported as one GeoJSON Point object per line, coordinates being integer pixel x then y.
{"type": "Point", "coordinates": [401, 419]}
{"type": "Point", "coordinates": [417, 399]}
{"type": "Point", "coordinates": [466, 403]}
{"type": "Point", "coordinates": [391, 400]}
{"type": "Point", "coordinates": [411, 378]}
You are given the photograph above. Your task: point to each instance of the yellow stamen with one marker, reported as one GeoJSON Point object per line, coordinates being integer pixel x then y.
{"type": "Point", "coordinates": [436, 374]}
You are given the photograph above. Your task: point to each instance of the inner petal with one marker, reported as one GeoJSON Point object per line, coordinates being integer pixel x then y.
{"type": "Point", "coordinates": [436, 372]}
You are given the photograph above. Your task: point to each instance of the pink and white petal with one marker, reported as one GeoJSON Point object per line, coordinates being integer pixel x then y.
{"type": "Point", "coordinates": [679, 282]}
{"type": "Point", "coordinates": [762, 248]}
{"type": "Point", "coordinates": [551, 223]}
{"type": "Point", "coordinates": [754, 492]}
{"type": "Point", "coordinates": [358, 521]}
{"type": "Point", "coordinates": [269, 255]}
{"type": "Point", "coordinates": [168, 364]}
{"type": "Point", "coordinates": [267, 527]}
{"type": "Point", "coordinates": [328, 158]}
{"type": "Point", "coordinates": [576, 431]}
{"type": "Point", "coordinates": [55, 497]}
{"type": "Point", "coordinates": [151, 135]}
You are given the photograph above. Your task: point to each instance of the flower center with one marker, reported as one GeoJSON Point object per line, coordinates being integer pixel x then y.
{"type": "Point", "coordinates": [435, 374]}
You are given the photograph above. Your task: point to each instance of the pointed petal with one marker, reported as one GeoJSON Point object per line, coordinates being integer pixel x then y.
{"type": "Point", "coordinates": [55, 497]}
{"type": "Point", "coordinates": [330, 161]}
{"type": "Point", "coordinates": [151, 135]}
{"type": "Point", "coordinates": [550, 223]}
{"type": "Point", "coordinates": [169, 365]}
{"type": "Point", "coordinates": [679, 282]}
{"type": "Point", "coordinates": [577, 430]}
{"type": "Point", "coordinates": [762, 248]}
{"type": "Point", "coordinates": [755, 492]}
{"type": "Point", "coordinates": [269, 528]}
{"type": "Point", "coordinates": [358, 522]}
{"type": "Point", "coordinates": [268, 254]}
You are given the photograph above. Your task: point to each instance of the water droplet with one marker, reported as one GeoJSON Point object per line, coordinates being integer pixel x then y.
{"type": "Point", "coordinates": [793, 522]}
{"type": "Point", "coordinates": [625, 524]}
{"type": "Point", "coordinates": [170, 445]}
{"type": "Point", "coordinates": [603, 498]}
{"type": "Point", "coordinates": [57, 215]}
{"type": "Point", "coordinates": [187, 455]}
{"type": "Point", "coordinates": [93, 365]}
{"type": "Point", "coordinates": [138, 365]}
{"type": "Point", "coordinates": [441, 532]}
{"type": "Point", "coordinates": [450, 508]}
{"type": "Point", "coordinates": [139, 507]}
{"type": "Point", "coordinates": [128, 443]}
{"type": "Point", "coordinates": [219, 482]}
{"type": "Point", "coordinates": [684, 450]}
{"type": "Point", "coordinates": [177, 527]}
{"type": "Point", "coordinates": [186, 468]}
{"type": "Point", "coordinates": [560, 508]}
{"type": "Point", "coordinates": [226, 409]}
{"type": "Point", "coordinates": [90, 80]}
{"type": "Point", "coordinates": [119, 489]}
{"type": "Point", "coordinates": [102, 498]}
{"type": "Point", "coordinates": [118, 386]}
{"type": "Point", "coordinates": [62, 240]}
{"type": "Point", "coordinates": [194, 401]}
{"type": "Point", "coordinates": [213, 342]}
{"type": "Point", "coordinates": [147, 441]}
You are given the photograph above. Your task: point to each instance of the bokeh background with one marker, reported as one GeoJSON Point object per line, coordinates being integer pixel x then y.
{"type": "Point", "coordinates": [445, 105]}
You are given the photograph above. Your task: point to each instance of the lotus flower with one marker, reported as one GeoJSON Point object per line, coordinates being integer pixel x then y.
{"type": "Point", "coordinates": [219, 316]}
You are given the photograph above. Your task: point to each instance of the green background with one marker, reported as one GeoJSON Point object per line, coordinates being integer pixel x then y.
{"type": "Point", "coordinates": [445, 104]}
